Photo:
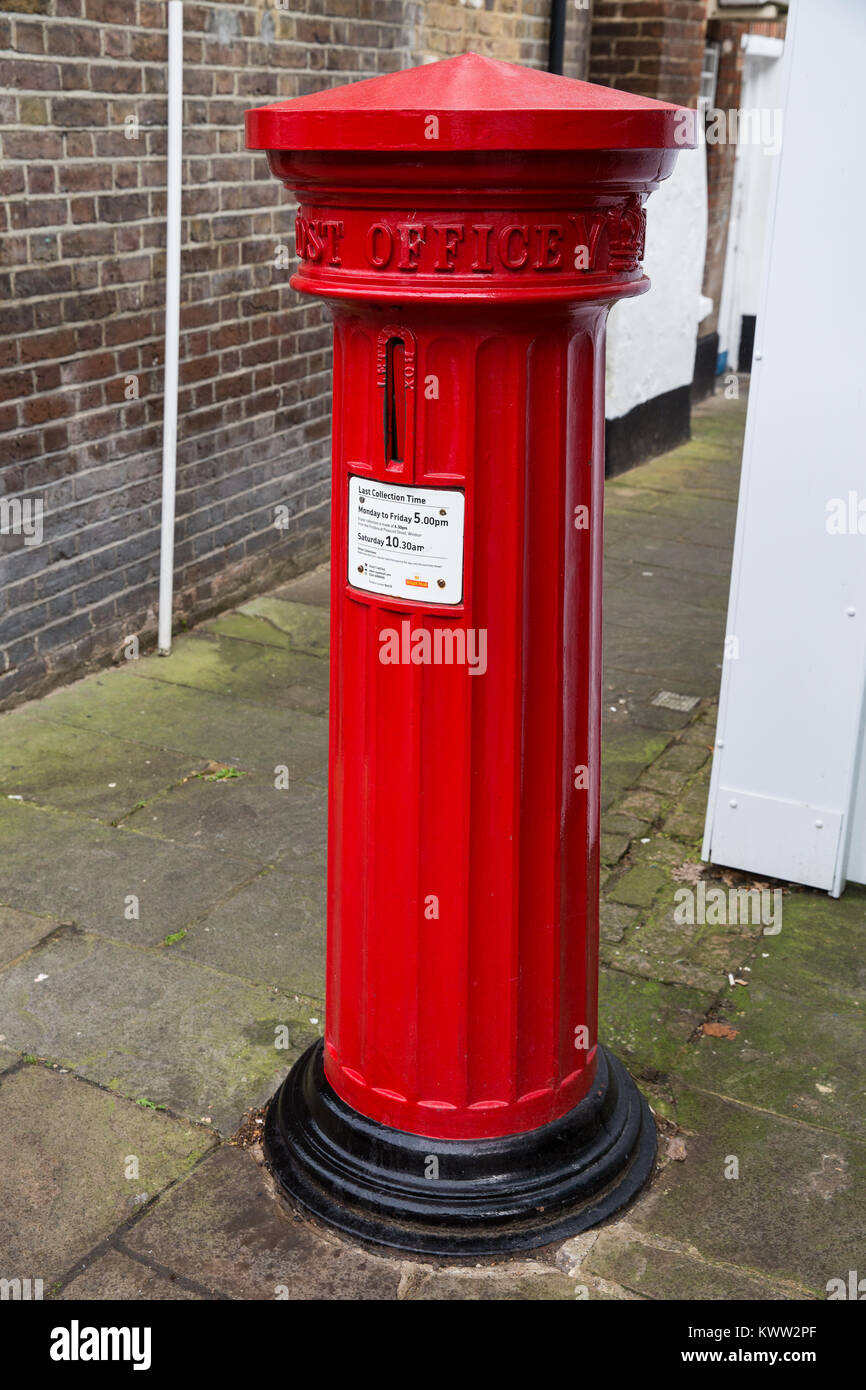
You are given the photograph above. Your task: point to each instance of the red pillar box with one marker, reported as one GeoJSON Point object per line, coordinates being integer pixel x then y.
{"type": "Point", "coordinates": [470, 223]}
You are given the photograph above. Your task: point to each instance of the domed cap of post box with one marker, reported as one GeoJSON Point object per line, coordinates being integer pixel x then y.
{"type": "Point", "coordinates": [470, 103]}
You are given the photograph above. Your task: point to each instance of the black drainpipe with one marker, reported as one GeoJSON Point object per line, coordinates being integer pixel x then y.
{"type": "Point", "coordinates": [557, 36]}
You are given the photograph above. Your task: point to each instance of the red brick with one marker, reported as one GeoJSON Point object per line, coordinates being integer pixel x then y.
{"type": "Point", "coordinates": [72, 40]}
{"type": "Point", "coordinates": [40, 178]}
{"type": "Point", "coordinates": [82, 209]}
{"type": "Point", "coordinates": [32, 144]}
{"type": "Point", "coordinates": [111, 11]}
{"type": "Point", "coordinates": [74, 112]}
{"type": "Point", "coordinates": [29, 38]}
{"type": "Point", "coordinates": [14, 384]}
{"type": "Point", "coordinates": [29, 75]}
{"type": "Point", "coordinates": [39, 212]}
{"type": "Point", "coordinates": [46, 346]}
{"type": "Point", "coordinates": [115, 77]}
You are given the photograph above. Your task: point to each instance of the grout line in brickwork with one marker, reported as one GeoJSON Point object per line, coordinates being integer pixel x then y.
{"type": "Point", "coordinates": [280, 455]}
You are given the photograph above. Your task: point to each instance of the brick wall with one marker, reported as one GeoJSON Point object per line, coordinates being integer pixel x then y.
{"type": "Point", "coordinates": [516, 31]}
{"type": "Point", "coordinates": [82, 280]}
{"type": "Point", "coordinates": [652, 47]}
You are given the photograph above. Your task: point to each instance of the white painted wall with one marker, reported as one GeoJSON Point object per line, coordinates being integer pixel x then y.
{"type": "Point", "coordinates": [651, 341]}
{"type": "Point", "coordinates": [761, 91]}
{"type": "Point", "coordinates": [788, 790]}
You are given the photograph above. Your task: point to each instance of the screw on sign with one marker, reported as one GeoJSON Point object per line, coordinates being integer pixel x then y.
{"type": "Point", "coordinates": [470, 223]}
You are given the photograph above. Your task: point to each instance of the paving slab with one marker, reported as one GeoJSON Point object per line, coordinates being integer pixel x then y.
{"type": "Point", "coordinates": [505, 1283]}
{"type": "Point", "coordinates": [124, 885]}
{"type": "Point", "coordinates": [703, 468]}
{"type": "Point", "coordinates": [275, 622]}
{"type": "Point", "coordinates": [661, 948]}
{"type": "Point", "coordinates": [314, 587]}
{"type": "Point", "coordinates": [702, 727]}
{"type": "Point", "coordinates": [272, 932]}
{"type": "Point", "coordinates": [671, 516]}
{"type": "Point", "coordinates": [154, 1027]}
{"type": "Point", "coordinates": [244, 627]}
{"type": "Point", "coordinates": [654, 954]}
{"type": "Point", "coordinates": [671, 782]}
{"type": "Point", "coordinates": [792, 1055]}
{"type": "Point", "coordinates": [634, 733]}
{"type": "Point", "coordinates": [615, 920]}
{"type": "Point", "coordinates": [628, 695]}
{"type": "Point", "coordinates": [21, 931]}
{"type": "Point", "coordinates": [627, 747]}
{"type": "Point", "coordinates": [252, 815]}
{"type": "Point", "coordinates": [720, 415]}
{"type": "Point", "coordinates": [795, 1213]}
{"type": "Point", "coordinates": [686, 818]}
{"type": "Point", "coordinates": [613, 847]}
{"type": "Point", "coordinates": [629, 540]}
{"type": "Point", "coordinates": [677, 654]}
{"type": "Point", "coordinates": [251, 671]}
{"type": "Point", "coordinates": [662, 945]}
{"type": "Point", "coordinates": [647, 1023]}
{"type": "Point", "coordinates": [116, 1276]}
{"type": "Point", "coordinates": [617, 778]}
{"type": "Point", "coordinates": [616, 572]}
{"type": "Point", "coordinates": [196, 722]}
{"type": "Point", "coordinates": [306, 626]}
{"type": "Point", "coordinates": [225, 1229]}
{"type": "Point", "coordinates": [638, 885]}
{"type": "Point", "coordinates": [615, 823]}
{"type": "Point", "coordinates": [688, 594]}
{"type": "Point", "coordinates": [642, 802]}
{"type": "Point", "coordinates": [684, 757]}
{"type": "Point", "coordinates": [66, 1150]}
{"type": "Point", "coordinates": [658, 1273]}
{"type": "Point", "coordinates": [88, 772]}
{"type": "Point", "coordinates": [663, 594]}
{"type": "Point", "coordinates": [818, 955]}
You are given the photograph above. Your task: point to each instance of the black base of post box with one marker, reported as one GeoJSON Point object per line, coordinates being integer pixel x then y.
{"type": "Point", "coordinates": [450, 1197]}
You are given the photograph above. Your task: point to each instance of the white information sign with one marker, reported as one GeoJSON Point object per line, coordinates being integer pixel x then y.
{"type": "Point", "coordinates": [406, 542]}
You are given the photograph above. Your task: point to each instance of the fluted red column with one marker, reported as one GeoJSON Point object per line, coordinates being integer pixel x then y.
{"type": "Point", "coordinates": [464, 822]}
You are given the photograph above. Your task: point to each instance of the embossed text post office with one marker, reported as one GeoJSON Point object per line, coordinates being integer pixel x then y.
{"type": "Point", "coordinates": [470, 223]}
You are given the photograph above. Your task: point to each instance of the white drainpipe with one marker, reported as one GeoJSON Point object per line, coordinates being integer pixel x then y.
{"type": "Point", "coordinates": [172, 320]}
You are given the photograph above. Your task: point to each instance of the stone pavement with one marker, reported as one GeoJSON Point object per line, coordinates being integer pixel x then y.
{"type": "Point", "coordinates": [162, 923]}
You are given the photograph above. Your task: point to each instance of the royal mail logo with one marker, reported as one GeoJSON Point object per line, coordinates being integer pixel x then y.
{"type": "Point", "coordinates": [607, 239]}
